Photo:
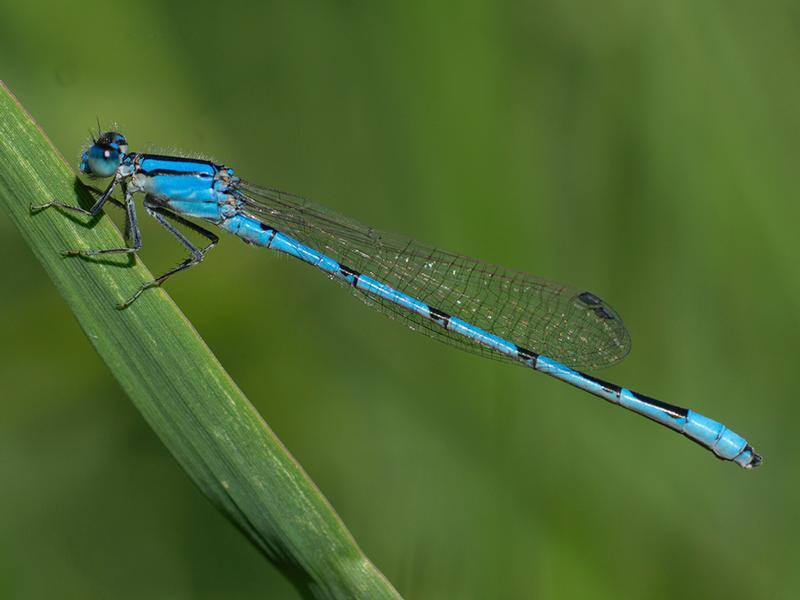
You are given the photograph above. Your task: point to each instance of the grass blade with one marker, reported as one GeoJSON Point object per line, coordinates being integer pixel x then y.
{"type": "Point", "coordinates": [175, 381]}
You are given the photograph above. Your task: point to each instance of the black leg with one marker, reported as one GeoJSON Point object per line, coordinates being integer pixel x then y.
{"type": "Point", "coordinates": [197, 254]}
{"type": "Point", "coordinates": [92, 212]}
{"type": "Point", "coordinates": [132, 232]}
{"type": "Point", "coordinates": [162, 212]}
{"type": "Point", "coordinates": [97, 192]}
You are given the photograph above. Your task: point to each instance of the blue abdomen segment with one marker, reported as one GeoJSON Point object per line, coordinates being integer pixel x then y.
{"type": "Point", "coordinates": [250, 230]}
{"type": "Point", "coordinates": [723, 442]}
{"type": "Point", "coordinates": [707, 432]}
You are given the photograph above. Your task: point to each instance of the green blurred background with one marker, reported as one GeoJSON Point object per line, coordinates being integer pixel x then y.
{"type": "Point", "coordinates": [645, 151]}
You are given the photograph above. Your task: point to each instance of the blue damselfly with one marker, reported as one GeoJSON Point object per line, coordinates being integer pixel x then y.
{"type": "Point", "coordinates": [467, 303]}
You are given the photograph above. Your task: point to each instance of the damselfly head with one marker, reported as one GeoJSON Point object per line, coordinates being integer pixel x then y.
{"type": "Point", "coordinates": [105, 154]}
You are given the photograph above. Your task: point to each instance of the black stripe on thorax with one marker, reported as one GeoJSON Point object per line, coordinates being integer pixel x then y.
{"type": "Point", "coordinates": [168, 158]}
{"type": "Point", "coordinates": [156, 172]}
{"type": "Point", "coordinates": [138, 159]}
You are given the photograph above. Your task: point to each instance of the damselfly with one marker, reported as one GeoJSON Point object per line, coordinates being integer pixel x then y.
{"type": "Point", "coordinates": [470, 304]}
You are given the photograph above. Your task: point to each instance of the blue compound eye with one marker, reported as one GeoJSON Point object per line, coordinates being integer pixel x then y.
{"type": "Point", "coordinates": [100, 160]}
{"type": "Point", "coordinates": [104, 155]}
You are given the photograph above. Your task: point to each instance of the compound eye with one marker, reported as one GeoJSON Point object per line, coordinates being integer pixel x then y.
{"type": "Point", "coordinates": [102, 160]}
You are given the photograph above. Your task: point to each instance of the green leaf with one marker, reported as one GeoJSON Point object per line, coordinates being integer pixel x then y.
{"type": "Point", "coordinates": [175, 381]}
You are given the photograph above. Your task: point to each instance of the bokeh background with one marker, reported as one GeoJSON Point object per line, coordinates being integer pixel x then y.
{"type": "Point", "coordinates": [645, 151]}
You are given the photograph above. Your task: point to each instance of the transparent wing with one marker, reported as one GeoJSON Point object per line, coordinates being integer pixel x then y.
{"type": "Point", "coordinates": [572, 326]}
